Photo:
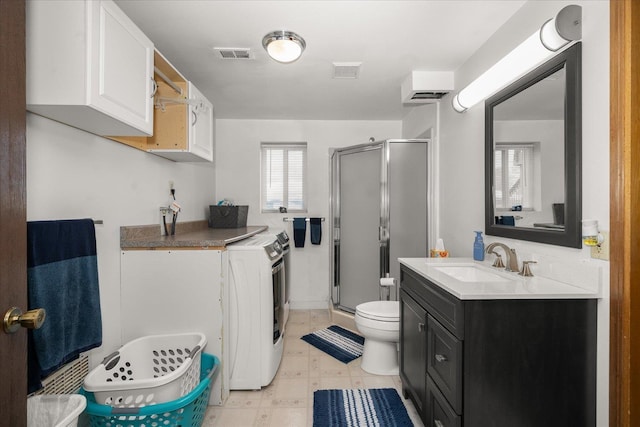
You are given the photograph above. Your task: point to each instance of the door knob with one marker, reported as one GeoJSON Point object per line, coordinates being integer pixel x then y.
{"type": "Point", "coordinates": [14, 318]}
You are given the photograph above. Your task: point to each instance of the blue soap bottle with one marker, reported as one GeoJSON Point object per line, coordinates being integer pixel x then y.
{"type": "Point", "coordinates": [478, 247]}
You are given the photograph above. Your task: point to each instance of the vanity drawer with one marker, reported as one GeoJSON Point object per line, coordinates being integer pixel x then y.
{"type": "Point", "coordinates": [443, 306]}
{"type": "Point", "coordinates": [444, 362]}
{"type": "Point", "coordinates": [439, 413]}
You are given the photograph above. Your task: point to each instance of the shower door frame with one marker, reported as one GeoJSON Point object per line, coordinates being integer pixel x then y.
{"type": "Point", "coordinates": [384, 236]}
{"type": "Point", "coordinates": [334, 201]}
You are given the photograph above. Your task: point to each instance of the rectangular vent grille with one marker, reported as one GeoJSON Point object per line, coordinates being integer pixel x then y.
{"type": "Point", "coordinates": [428, 95]}
{"type": "Point", "coordinates": [346, 70]}
{"type": "Point", "coordinates": [68, 379]}
{"type": "Point", "coordinates": [233, 53]}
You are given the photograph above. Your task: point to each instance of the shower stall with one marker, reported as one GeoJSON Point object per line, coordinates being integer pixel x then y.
{"type": "Point", "coordinates": [379, 213]}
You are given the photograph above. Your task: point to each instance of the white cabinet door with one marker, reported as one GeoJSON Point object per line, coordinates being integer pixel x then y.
{"type": "Point", "coordinates": [178, 291]}
{"type": "Point", "coordinates": [121, 66]}
{"type": "Point", "coordinates": [89, 66]}
{"type": "Point", "coordinates": [201, 132]}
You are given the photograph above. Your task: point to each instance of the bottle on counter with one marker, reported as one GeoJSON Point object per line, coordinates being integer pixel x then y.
{"type": "Point", "coordinates": [478, 247]}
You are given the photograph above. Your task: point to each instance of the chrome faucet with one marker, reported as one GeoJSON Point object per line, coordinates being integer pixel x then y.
{"type": "Point", "coordinates": [512, 258]}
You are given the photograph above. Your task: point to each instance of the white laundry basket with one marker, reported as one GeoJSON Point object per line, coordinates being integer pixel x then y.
{"type": "Point", "coordinates": [55, 410]}
{"type": "Point", "coordinates": [149, 370]}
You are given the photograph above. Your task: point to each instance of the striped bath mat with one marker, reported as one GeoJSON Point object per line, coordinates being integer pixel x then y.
{"type": "Point", "coordinates": [338, 342]}
{"type": "Point", "coordinates": [374, 407]}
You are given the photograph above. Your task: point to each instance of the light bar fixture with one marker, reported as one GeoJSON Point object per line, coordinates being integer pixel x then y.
{"type": "Point", "coordinates": [554, 34]}
{"type": "Point", "coordinates": [283, 46]}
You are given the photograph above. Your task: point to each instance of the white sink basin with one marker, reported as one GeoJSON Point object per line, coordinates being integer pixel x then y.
{"type": "Point", "coordinates": [470, 273]}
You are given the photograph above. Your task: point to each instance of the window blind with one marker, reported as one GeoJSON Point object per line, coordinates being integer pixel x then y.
{"type": "Point", "coordinates": [283, 169]}
{"type": "Point", "coordinates": [513, 175]}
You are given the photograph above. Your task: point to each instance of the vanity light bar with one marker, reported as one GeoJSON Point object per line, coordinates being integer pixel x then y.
{"type": "Point", "coordinates": [554, 34]}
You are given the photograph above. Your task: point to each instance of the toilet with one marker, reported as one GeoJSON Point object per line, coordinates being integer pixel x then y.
{"type": "Point", "coordinates": [379, 323]}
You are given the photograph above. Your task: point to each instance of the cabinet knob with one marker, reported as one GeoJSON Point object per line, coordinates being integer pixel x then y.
{"type": "Point", "coordinates": [154, 88]}
{"type": "Point", "coordinates": [440, 358]}
{"type": "Point", "coordinates": [420, 327]}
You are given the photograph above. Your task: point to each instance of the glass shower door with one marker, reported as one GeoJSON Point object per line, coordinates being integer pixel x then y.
{"type": "Point", "coordinates": [357, 246]}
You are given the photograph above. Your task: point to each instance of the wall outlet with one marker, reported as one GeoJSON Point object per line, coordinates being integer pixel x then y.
{"type": "Point", "coordinates": [602, 251]}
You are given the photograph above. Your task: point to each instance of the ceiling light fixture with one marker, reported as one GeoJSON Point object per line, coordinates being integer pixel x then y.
{"type": "Point", "coordinates": [554, 34]}
{"type": "Point", "coordinates": [284, 46]}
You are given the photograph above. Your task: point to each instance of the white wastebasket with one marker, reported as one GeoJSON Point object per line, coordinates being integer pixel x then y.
{"type": "Point", "coordinates": [55, 410]}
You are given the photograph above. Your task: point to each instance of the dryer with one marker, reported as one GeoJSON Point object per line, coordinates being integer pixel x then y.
{"type": "Point", "coordinates": [256, 316]}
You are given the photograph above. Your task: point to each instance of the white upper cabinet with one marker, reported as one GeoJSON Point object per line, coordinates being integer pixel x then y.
{"type": "Point", "coordinates": [89, 66]}
{"type": "Point", "coordinates": [196, 144]}
{"type": "Point", "coordinates": [183, 127]}
{"type": "Point", "coordinates": [202, 124]}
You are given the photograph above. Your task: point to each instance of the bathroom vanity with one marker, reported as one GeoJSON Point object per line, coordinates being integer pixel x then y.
{"type": "Point", "coordinates": [481, 348]}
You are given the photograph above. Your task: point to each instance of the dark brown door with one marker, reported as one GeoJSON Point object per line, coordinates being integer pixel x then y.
{"type": "Point", "coordinates": [13, 226]}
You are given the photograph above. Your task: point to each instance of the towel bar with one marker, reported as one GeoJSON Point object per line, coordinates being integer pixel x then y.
{"type": "Point", "coordinates": [285, 219]}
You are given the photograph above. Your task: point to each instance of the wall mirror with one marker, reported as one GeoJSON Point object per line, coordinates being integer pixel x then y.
{"type": "Point", "coordinates": [533, 140]}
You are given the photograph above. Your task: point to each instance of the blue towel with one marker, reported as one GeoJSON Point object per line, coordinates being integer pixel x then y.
{"type": "Point", "coordinates": [62, 278]}
{"type": "Point", "coordinates": [315, 225]}
{"type": "Point", "coordinates": [299, 231]}
{"type": "Point", "coordinates": [508, 220]}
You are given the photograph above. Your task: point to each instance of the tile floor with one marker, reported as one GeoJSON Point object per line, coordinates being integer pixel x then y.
{"type": "Point", "coordinates": [288, 400]}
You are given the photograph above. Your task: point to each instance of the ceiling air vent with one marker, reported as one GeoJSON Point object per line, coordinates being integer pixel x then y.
{"type": "Point", "coordinates": [346, 70]}
{"type": "Point", "coordinates": [428, 95]}
{"type": "Point", "coordinates": [233, 53]}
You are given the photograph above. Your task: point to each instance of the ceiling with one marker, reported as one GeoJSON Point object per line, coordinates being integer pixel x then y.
{"type": "Point", "coordinates": [389, 38]}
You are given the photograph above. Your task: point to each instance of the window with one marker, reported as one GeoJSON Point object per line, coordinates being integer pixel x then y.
{"type": "Point", "coordinates": [283, 176]}
{"type": "Point", "coordinates": [514, 175]}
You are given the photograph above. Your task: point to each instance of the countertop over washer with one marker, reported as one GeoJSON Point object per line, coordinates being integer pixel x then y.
{"type": "Point", "coordinates": [191, 234]}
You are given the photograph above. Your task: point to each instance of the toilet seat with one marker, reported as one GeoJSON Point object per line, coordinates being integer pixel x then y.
{"type": "Point", "coordinates": [382, 311]}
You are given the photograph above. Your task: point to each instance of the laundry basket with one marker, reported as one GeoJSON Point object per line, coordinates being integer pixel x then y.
{"type": "Point", "coordinates": [149, 370]}
{"type": "Point", "coordinates": [186, 411]}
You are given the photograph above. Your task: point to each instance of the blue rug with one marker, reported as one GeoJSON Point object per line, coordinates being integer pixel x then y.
{"type": "Point", "coordinates": [338, 342]}
{"type": "Point", "coordinates": [374, 407]}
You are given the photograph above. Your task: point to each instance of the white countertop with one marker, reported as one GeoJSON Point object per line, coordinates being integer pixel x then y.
{"type": "Point", "coordinates": [498, 284]}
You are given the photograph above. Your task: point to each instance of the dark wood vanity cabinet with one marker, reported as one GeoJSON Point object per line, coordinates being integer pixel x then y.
{"type": "Point", "coordinates": [496, 362]}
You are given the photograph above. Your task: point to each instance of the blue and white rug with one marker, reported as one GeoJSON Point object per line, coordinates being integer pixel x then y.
{"type": "Point", "coordinates": [358, 408]}
{"type": "Point", "coordinates": [338, 342]}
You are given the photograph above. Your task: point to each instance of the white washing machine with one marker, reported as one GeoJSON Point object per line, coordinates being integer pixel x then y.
{"type": "Point", "coordinates": [283, 238]}
{"type": "Point", "coordinates": [256, 324]}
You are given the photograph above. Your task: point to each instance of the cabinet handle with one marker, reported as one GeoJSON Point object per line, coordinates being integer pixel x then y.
{"type": "Point", "coordinates": [441, 358]}
{"type": "Point", "coordinates": [195, 118]}
{"type": "Point", "coordinates": [438, 423]}
{"type": "Point", "coordinates": [420, 327]}
{"type": "Point", "coordinates": [154, 89]}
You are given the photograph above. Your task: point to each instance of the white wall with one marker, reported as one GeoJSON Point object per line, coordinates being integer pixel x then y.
{"type": "Point", "coordinates": [461, 177]}
{"type": "Point", "coordinates": [238, 179]}
{"type": "Point", "coordinates": [74, 174]}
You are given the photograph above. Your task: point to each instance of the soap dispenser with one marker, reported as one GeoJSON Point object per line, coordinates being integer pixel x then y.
{"type": "Point", "coordinates": [478, 247]}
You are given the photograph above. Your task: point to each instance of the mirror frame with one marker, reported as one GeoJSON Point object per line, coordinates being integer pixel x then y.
{"type": "Point", "coordinates": [571, 236]}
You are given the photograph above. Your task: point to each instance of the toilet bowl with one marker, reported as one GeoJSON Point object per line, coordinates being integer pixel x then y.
{"type": "Point", "coordinates": [379, 323]}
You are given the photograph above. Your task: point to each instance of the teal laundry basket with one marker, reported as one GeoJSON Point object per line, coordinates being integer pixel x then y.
{"type": "Point", "coordinates": [187, 411]}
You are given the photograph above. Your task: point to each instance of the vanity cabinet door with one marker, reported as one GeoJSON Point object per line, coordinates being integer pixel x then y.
{"type": "Point", "coordinates": [444, 362]}
{"type": "Point", "coordinates": [413, 350]}
{"type": "Point", "coordinates": [438, 411]}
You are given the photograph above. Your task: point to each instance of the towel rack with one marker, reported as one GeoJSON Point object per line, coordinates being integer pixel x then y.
{"type": "Point", "coordinates": [98, 221]}
{"type": "Point", "coordinates": [286, 219]}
